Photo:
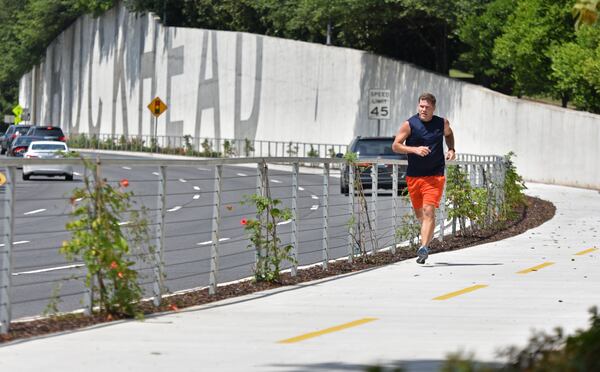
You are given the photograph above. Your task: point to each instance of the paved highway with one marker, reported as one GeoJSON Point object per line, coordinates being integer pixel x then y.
{"type": "Point", "coordinates": [42, 210]}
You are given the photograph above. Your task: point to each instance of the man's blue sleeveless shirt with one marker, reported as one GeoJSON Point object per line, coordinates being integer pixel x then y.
{"type": "Point", "coordinates": [430, 134]}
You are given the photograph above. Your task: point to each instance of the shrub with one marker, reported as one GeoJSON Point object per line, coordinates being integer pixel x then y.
{"type": "Point", "coordinates": [100, 240]}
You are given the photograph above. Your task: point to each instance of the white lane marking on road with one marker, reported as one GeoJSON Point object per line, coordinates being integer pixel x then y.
{"type": "Point", "coordinates": [314, 197]}
{"type": "Point", "coordinates": [182, 180]}
{"type": "Point", "coordinates": [196, 197]}
{"type": "Point", "coordinates": [126, 168]}
{"type": "Point", "coordinates": [203, 169]}
{"type": "Point", "coordinates": [275, 181]}
{"type": "Point", "coordinates": [284, 222]}
{"type": "Point", "coordinates": [314, 207]}
{"type": "Point", "coordinates": [197, 188]}
{"type": "Point", "coordinates": [301, 188]}
{"type": "Point", "coordinates": [210, 241]}
{"type": "Point", "coordinates": [49, 269]}
{"type": "Point", "coordinates": [34, 212]}
{"type": "Point", "coordinates": [77, 174]}
{"type": "Point", "coordinates": [242, 174]}
{"type": "Point", "coordinates": [17, 243]}
{"type": "Point", "coordinates": [124, 223]}
{"type": "Point", "coordinates": [156, 173]}
{"type": "Point", "coordinates": [174, 208]}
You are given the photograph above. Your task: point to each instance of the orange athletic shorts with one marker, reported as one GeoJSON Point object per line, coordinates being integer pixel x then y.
{"type": "Point", "coordinates": [425, 190]}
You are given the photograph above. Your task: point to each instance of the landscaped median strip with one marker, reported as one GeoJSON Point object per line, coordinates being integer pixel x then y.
{"type": "Point", "coordinates": [586, 251]}
{"type": "Point", "coordinates": [535, 268]}
{"type": "Point", "coordinates": [326, 331]}
{"type": "Point", "coordinates": [460, 292]}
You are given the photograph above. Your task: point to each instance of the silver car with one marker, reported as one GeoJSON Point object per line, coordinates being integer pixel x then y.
{"type": "Point", "coordinates": [47, 150]}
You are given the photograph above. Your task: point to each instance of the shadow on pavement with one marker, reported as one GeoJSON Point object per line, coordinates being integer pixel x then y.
{"type": "Point", "coordinates": [440, 264]}
{"type": "Point", "coordinates": [424, 365]}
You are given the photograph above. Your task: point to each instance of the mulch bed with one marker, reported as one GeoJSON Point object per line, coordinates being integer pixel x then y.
{"type": "Point", "coordinates": [535, 213]}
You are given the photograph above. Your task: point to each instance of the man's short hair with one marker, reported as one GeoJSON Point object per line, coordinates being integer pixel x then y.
{"type": "Point", "coordinates": [427, 97]}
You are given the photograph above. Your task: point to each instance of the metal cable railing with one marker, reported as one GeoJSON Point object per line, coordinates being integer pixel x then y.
{"type": "Point", "coordinates": [184, 225]}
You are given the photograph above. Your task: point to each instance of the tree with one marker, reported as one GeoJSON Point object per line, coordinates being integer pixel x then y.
{"type": "Point", "coordinates": [576, 68]}
{"type": "Point", "coordinates": [523, 48]}
{"type": "Point", "coordinates": [479, 31]}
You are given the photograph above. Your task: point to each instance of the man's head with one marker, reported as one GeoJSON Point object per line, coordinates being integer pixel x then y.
{"type": "Point", "coordinates": [426, 106]}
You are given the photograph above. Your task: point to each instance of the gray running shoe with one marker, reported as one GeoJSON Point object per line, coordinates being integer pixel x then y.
{"type": "Point", "coordinates": [422, 254]}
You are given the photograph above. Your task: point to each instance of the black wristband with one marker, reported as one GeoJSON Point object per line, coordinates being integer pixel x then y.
{"type": "Point", "coordinates": [451, 148]}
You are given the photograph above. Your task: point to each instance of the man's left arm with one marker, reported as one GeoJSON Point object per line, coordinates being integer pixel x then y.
{"type": "Point", "coordinates": [449, 136]}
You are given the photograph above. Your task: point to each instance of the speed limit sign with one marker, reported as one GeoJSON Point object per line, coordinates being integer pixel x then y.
{"type": "Point", "coordinates": [379, 104]}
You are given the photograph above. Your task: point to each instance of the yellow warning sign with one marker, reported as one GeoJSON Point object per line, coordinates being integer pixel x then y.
{"type": "Point", "coordinates": [2, 179]}
{"type": "Point", "coordinates": [157, 107]}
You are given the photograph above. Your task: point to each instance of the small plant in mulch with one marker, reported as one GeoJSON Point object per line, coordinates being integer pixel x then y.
{"type": "Point", "coordinates": [262, 230]}
{"type": "Point", "coordinates": [360, 224]}
{"type": "Point", "coordinates": [270, 253]}
{"type": "Point", "coordinates": [106, 245]}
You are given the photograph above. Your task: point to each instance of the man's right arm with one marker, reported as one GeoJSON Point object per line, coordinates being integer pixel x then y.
{"type": "Point", "coordinates": [400, 147]}
{"type": "Point", "coordinates": [401, 136]}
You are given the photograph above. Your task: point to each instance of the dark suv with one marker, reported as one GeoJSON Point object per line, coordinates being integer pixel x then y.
{"type": "Point", "coordinates": [12, 132]}
{"type": "Point", "coordinates": [47, 133]}
{"type": "Point", "coordinates": [374, 148]}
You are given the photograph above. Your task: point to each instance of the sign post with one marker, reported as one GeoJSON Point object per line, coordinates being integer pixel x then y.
{"type": "Point", "coordinates": [379, 106]}
{"type": "Point", "coordinates": [156, 107]}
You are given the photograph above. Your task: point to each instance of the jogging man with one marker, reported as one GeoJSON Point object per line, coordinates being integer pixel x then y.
{"type": "Point", "coordinates": [421, 137]}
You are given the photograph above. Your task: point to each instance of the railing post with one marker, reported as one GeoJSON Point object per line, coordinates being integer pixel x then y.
{"type": "Point", "coordinates": [160, 236]}
{"type": "Point", "coordinates": [374, 197]}
{"type": "Point", "coordinates": [216, 222]}
{"type": "Point", "coordinates": [351, 206]}
{"type": "Point", "coordinates": [325, 208]}
{"type": "Point", "coordinates": [6, 252]}
{"type": "Point", "coordinates": [395, 204]}
{"type": "Point", "coordinates": [442, 208]}
{"type": "Point", "coordinates": [295, 215]}
{"type": "Point", "coordinates": [261, 179]}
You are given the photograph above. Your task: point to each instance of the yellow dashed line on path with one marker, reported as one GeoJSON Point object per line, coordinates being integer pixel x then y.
{"type": "Point", "coordinates": [458, 293]}
{"type": "Point", "coordinates": [326, 331]}
{"type": "Point", "coordinates": [535, 268]}
{"type": "Point", "coordinates": [586, 251]}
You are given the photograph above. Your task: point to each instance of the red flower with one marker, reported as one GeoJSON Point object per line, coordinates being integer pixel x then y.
{"type": "Point", "coordinates": [174, 307]}
{"type": "Point", "coordinates": [113, 265]}
{"type": "Point", "coordinates": [124, 182]}
{"type": "Point", "coordinates": [244, 221]}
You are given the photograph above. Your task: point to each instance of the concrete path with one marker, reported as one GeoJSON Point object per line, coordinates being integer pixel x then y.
{"type": "Point", "coordinates": [478, 299]}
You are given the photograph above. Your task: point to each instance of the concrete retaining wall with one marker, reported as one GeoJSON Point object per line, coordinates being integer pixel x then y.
{"type": "Point", "coordinates": [101, 73]}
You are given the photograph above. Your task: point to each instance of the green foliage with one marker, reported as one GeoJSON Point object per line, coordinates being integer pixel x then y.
{"type": "Point", "coordinates": [513, 187]}
{"type": "Point", "coordinates": [313, 153]}
{"type": "Point", "coordinates": [229, 149]}
{"type": "Point", "coordinates": [331, 152]}
{"type": "Point", "coordinates": [528, 34]}
{"type": "Point", "coordinates": [576, 68]}
{"type": "Point", "coordinates": [544, 352]}
{"type": "Point", "coordinates": [479, 205]}
{"type": "Point", "coordinates": [292, 149]}
{"type": "Point", "coordinates": [207, 150]}
{"type": "Point", "coordinates": [248, 148]}
{"type": "Point", "coordinates": [555, 352]}
{"type": "Point", "coordinates": [270, 253]}
{"type": "Point", "coordinates": [409, 230]}
{"type": "Point", "coordinates": [107, 247]}
{"type": "Point", "coordinates": [479, 31]}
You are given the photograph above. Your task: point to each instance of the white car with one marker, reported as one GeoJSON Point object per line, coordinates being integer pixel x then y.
{"type": "Point", "coordinates": [47, 150]}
